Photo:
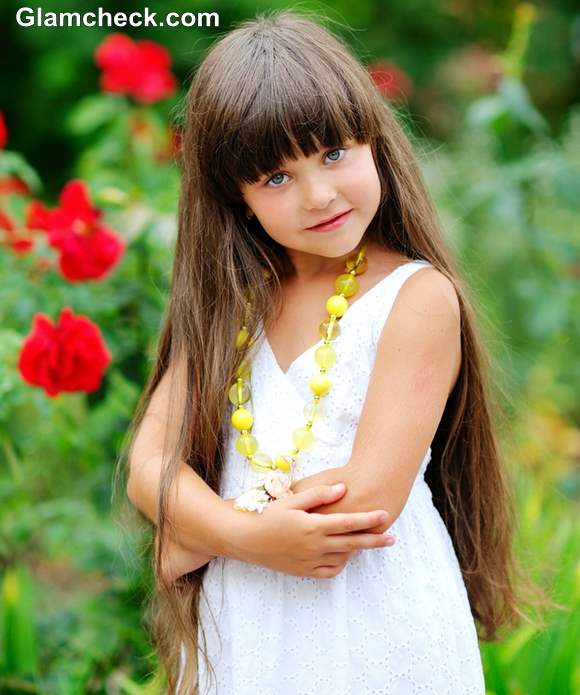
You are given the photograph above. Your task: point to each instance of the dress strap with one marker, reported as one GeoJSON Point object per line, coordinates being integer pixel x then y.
{"type": "Point", "coordinates": [388, 293]}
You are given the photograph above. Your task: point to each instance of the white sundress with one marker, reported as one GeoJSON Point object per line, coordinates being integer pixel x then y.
{"type": "Point", "coordinates": [396, 620]}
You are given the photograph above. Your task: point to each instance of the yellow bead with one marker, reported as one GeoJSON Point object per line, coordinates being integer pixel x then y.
{"type": "Point", "coordinates": [361, 266]}
{"type": "Point", "coordinates": [347, 284]}
{"type": "Point", "coordinates": [303, 438]}
{"type": "Point", "coordinates": [246, 444]}
{"type": "Point", "coordinates": [329, 332]}
{"type": "Point", "coordinates": [241, 337]}
{"type": "Point", "coordinates": [336, 305]}
{"type": "Point", "coordinates": [243, 371]}
{"type": "Point", "coordinates": [260, 462]}
{"type": "Point", "coordinates": [325, 356]}
{"type": "Point", "coordinates": [283, 462]}
{"type": "Point", "coordinates": [320, 384]}
{"type": "Point", "coordinates": [242, 419]}
{"type": "Point", "coordinates": [314, 410]}
{"type": "Point", "coordinates": [239, 393]}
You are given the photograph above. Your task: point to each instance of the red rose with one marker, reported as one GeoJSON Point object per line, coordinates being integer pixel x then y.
{"type": "Point", "coordinates": [3, 131]}
{"type": "Point", "coordinates": [88, 249]}
{"type": "Point", "coordinates": [141, 68]}
{"type": "Point", "coordinates": [69, 356]}
{"type": "Point", "coordinates": [390, 80]}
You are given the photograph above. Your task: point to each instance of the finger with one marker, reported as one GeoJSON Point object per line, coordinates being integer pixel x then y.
{"type": "Point", "coordinates": [347, 522]}
{"type": "Point", "coordinates": [381, 528]}
{"type": "Point", "coordinates": [314, 496]}
{"type": "Point", "coordinates": [359, 541]}
{"type": "Point", "coordinates": [323, 572]}
{"type": "Point", "coordinates": [333, 559]}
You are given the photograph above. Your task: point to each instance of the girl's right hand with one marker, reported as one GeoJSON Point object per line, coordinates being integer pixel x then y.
{"type": "Point", "coordinates": [286, 538]}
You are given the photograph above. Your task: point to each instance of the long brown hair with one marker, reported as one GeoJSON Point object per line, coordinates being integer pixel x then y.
{"type": "Point", "coordinates": [275, 87]}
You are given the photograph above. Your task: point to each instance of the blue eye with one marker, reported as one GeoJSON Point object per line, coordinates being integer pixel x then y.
{"type": "Point", "coordinates": [275, 176]}
{"type": "Point", "coordinates": [338, 150]}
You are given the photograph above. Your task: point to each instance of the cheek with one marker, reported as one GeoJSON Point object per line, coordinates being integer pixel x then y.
{"type": "Point", "coordinates": [277, 216]}
{"type": "Point", "coordinates": [364, 187]}
{"type": "Point", "coordinates": [276, 211]}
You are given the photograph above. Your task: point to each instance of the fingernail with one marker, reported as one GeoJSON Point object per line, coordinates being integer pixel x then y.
{"type": "Point", "coordinates": [338, 487]}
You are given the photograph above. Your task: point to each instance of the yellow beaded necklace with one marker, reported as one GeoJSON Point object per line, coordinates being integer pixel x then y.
{"type": "Point", "coordinates": [277, 473]}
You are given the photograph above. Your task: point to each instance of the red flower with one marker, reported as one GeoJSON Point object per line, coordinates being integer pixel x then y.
{"type": "Point", "coordinates": [13, 185]}
{"type": "Point", "coordinates": [3, 131]}
{"type": "Point", "coordinates": [390, 80]}
{"type": "Point", "coordinates": [88, 250]}
{"type": "Point", "coordinates": [141, 68]}
{"type": "Point", "coordinates": [19, 243]}
{"type": "Point", "coordinates": [68, 356]}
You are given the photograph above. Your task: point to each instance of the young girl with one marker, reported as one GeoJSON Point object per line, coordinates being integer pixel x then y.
{"type": "Point", "coordinates": [317, 333]}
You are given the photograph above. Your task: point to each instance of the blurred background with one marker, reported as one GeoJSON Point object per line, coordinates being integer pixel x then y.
{"type": "Point", "coordinates": [488, 92]}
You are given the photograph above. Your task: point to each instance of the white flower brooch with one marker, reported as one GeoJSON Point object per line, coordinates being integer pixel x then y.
{"type": "Point", "coordinates": [272, 485]}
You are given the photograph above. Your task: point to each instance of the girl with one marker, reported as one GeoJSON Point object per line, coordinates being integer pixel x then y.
{"type": "Point", "coordinates": [317, 333]}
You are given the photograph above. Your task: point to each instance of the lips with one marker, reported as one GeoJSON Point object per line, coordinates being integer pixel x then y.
{"type": "Point", "coordinates": [330, 219]}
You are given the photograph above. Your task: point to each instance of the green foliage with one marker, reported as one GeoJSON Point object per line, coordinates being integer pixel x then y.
{"type": "Point", "coordinates": [18, 638]}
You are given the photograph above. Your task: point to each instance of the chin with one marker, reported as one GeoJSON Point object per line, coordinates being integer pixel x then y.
{"type": "Point", "coordinates": [345, 246]}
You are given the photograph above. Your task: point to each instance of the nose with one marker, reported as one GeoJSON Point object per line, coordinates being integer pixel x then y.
{"type": "Point", "coordinates": [317, 193]}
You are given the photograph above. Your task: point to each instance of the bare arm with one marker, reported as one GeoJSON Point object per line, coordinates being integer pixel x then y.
{"type": "Point", "coordinates": [204, 523]}
{"type": "Point", "coordinates": [417, 363]}
{"type": "Point", "coordinates": [206, 526]}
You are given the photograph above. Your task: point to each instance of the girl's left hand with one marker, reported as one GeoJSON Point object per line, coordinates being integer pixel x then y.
{"type": "Point", "coordinates": [319, 478]}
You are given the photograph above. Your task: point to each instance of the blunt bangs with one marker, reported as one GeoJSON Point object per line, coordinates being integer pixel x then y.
{"type": "Point", "coordinates": [289, 119]}
{"type": "Point", "coordinates": [282, 101]}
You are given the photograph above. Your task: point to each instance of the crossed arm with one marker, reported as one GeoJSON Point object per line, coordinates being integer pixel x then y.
{"type": "Point", "coordinates": [417, 363]}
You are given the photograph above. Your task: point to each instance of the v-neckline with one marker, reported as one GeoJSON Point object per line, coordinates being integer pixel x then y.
{"type": "Point", "coordinates": [316, 344]}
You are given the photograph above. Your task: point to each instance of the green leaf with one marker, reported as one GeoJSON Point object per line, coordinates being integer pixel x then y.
{"type": "Point", "coordinates": [484, 112]}
{"type": "Point", "coordinates": [519, 106]}
{"type": "Point", "coordinates": [20, 650]}
{"type": "Point", "coordinates": [12, 163]}
{"type": "Point", "coordinates": [92, 112]}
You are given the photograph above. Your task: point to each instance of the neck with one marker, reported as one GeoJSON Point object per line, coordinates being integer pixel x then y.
{"type": "Point", "coordinates": [309, 266]}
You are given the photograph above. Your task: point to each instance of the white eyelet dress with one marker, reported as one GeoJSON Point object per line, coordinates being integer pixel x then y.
{"type": "Point", "coordinates": [395, 620]}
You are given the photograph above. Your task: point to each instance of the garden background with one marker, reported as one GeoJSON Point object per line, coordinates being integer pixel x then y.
{"type": "Point", "coordinates": [489, 93]}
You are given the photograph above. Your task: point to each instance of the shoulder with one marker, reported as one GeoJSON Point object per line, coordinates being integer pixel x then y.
{"type": "Point", "coordinates": [423, 329]}
{"type": "Point", "coordinates": [427, 291]}
{"type": "Point", "coordinates": [432, 293]}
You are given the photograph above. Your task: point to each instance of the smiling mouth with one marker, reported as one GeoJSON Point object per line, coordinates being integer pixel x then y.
{"type": "Point", "coordinates": [332, 219]}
